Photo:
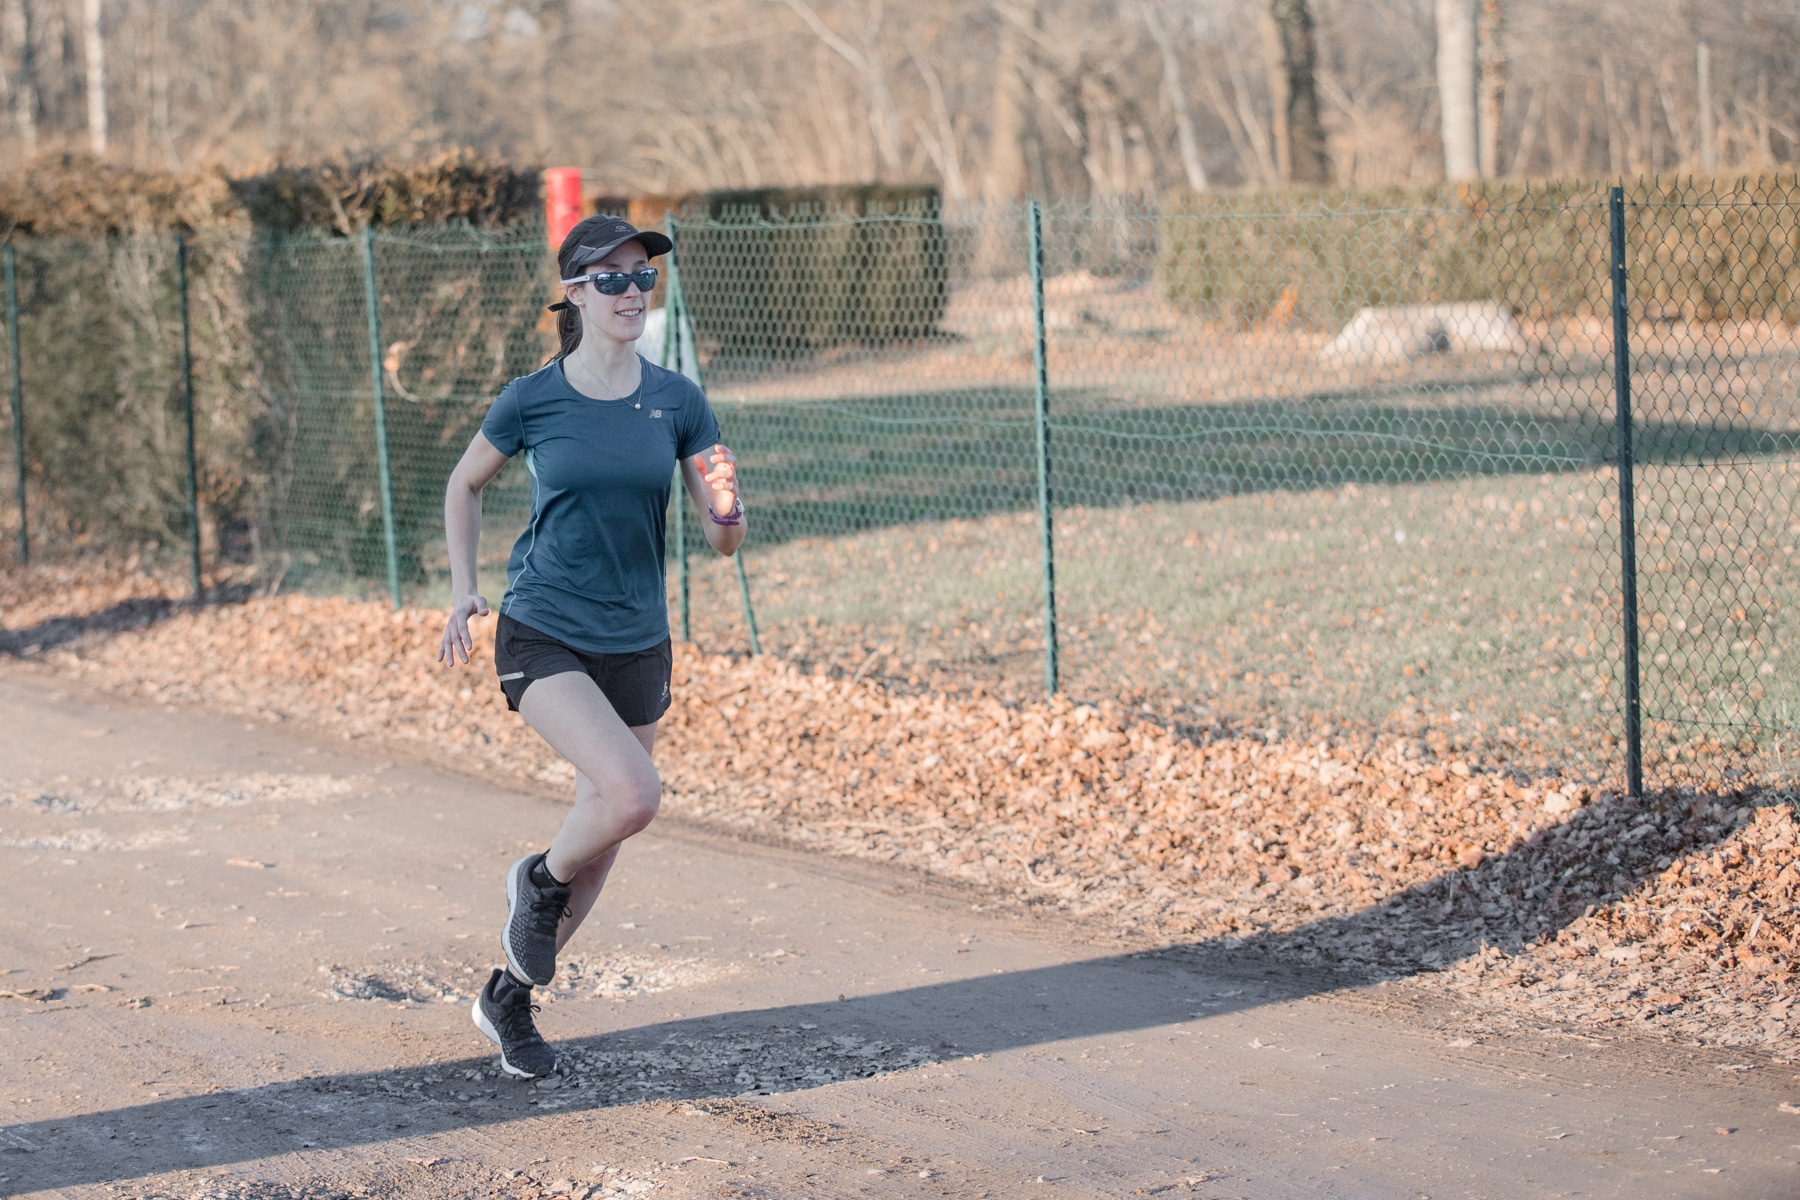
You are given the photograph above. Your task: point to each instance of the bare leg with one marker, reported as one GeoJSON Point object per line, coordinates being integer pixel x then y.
{"type": "Point", "coordinates": [584, 889]}
{"type": "Point", "coordinates": [617, 790]}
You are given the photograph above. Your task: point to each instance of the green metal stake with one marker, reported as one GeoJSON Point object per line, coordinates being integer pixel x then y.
{"type": "Point", "coordinates": [18, 403]}
{"type": "Point", "coordinates": [1634, 738]}
{"type": "Point", "coordinates": [381, 445]}
{"type": "Point", "coordinates": [678, 299]}
{"type": "Point", "coordinates": [672, 346]}
{"type": "Point", "coordinates": [1039, 358]}
{"type": "Point", "coordinates": [678, 513]}
{"type": "Point", "coordinates": [744, 590]}
{"type": "Point", "coordinates": [187, 412]}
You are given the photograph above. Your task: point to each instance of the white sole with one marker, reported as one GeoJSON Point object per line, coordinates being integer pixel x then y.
{"type": "Point", "coordinates": [493, 1035]}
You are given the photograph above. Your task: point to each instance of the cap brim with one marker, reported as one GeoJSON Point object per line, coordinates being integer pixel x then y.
{"type": "Point", "coordinates": [655, 244]}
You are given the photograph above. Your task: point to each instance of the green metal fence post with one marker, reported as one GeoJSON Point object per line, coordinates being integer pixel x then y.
{"type": "Point", "coordinates": [671, 356]}
{"type": "Point", "coordinates": [187, 412]}
{"type": "Point", "coordinates": [1634, 746]}
{"type": "Point", "coordinates": [744, 591]}
{"type": "Point", "coordinates": [18, 404]}
{"type": "Point", "coordinates": [679, 301]}
{"type": "Point", "coordinates": [381, 446]}
{"type": "Point", "coordinates": [1041, 379]}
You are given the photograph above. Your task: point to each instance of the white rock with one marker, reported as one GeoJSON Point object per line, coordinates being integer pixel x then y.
{"type": "Point", "coordinates": [1391, 336]}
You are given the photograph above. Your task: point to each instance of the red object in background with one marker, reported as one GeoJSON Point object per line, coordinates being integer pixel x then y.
{"type": "Point", "coordinates": [562, 202]}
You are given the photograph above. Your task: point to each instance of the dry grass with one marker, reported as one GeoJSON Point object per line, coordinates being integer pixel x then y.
{"type": "Point", "coordinates": [1481, 613]}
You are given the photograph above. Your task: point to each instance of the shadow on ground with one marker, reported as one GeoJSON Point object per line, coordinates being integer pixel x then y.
{"type": "Point", "coordinates": [831, 468]}
{"type": "Point", "coordinates": [1547, 883]}
{"type": "Point", "coordinates": [126, 615]}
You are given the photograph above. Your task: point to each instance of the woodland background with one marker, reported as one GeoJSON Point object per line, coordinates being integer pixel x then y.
{"type": "Point", "coordinates": [986, 98]}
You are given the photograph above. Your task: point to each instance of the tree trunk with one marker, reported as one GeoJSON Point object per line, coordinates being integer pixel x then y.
{"type": "Point", "coordinates": [1456, 87]}
{"type": "Point", "coordinates": [1307, 159]}
{"type": "Point", "coordinates": [1006, 133]}
{"type": "Point", "coordinates": [1275, 70]}
{"type": "Point", "coordinates": [161, 128]}
{"type": "Point", "coordinates": [949, 155]}
{"type": "Point", "coordinates": [1493, 85]}
{"type": "Point", "coordinates": [1184, 117]}
{"type": "Point", "coordinates": [1709, 136]}
{"type": "Point", "coordinates": [96, 77]}
{"type": "Point", "coordinates": [21, 31]}
{"type": "Point", "coordinates": [1765, 150]}
{"type": "Point", "coordinates": [1592, 99]}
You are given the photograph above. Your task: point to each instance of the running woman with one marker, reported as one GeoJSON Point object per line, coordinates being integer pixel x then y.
{"type": "Point", "coordinates": [582, 645]}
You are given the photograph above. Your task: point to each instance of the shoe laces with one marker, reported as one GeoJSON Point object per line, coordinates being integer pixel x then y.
{"type": "Point", "coordinates": [548, 909]}
{"type": "Point", "coordinates": [515, 1021]}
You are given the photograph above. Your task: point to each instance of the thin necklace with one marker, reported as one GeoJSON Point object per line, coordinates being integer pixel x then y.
{"type": "Point", "coordinates": [636, 396]}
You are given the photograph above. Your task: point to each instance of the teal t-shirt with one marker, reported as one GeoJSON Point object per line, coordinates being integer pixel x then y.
{"type": "Point", "coordinates": [588, 570]}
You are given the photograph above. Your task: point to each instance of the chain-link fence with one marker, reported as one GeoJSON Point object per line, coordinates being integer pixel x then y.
{"type": "Point", "coordinates": [98, 322]}
{"type": "Point", "coordinates": [1320, 464]}
{"type": "Point", "coordinates": [455, 315]}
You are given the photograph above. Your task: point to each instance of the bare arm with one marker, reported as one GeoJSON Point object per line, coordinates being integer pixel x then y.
{"type": "Point", "coordinates": [711, 480]}
{"type": "Point", "coordinates": [462, 532]}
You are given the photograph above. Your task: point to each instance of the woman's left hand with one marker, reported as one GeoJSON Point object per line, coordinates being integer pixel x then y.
{"type": "Point", "coordinates": [719, 469]}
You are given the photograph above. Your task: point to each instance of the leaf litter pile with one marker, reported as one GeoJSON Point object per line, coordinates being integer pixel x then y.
{"type": "Point", "coordinates": [1544, 902]}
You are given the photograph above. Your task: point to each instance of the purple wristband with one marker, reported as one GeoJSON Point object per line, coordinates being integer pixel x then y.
{"type": "Point", "coordinates": [734, 517]}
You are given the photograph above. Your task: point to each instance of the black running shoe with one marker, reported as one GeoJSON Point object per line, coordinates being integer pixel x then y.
{"type": "Point", "coordinates": [533, 913]}
{"type": "Point", "coordinates": [503, 1012]}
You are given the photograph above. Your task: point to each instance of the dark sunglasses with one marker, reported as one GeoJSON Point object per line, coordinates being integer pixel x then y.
{"type": "Point", "coordinates": [614, 283]}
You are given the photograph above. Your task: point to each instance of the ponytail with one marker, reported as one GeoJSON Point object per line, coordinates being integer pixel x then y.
{"type": "Point", "coordinates": [568, 317]}
{"type": "Point", "coordinates": [568, 330]}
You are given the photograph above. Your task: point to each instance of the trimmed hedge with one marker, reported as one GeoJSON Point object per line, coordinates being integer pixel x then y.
{"type": "Point", "coordinates": [1696, 250]}
{"type": "Point", "coordinates": [778, 274]}
{"type": "Point", "coordinates": [346, 196]}
{"type": "Point", "coordinates": [76, 196]}
{"type": "Point", "coordinates": [99, 327]}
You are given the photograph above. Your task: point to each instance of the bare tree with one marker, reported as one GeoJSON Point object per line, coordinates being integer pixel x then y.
{"type": "Point", "coordinates": [1491, 53]}
{"type": "Point", "coordinates": [866, 60]}
{"type": "Point", "coordinates": [1306, 158]}
{"type": "Point", "coordinates": [95, 48]}
{"type": "Point", "coordinates": [1456, 87]}
{"type": "Point", "coordinates": [940, 140]}
{"type": "Point", "coordinates": [1178, 101]}
{"type": "Point", "coordinates": [1708, 135]}
{"type": "Point", "coordinates": [21, 34]}
{"type": "Point", "coordinates": [1006, 127]}
{"type": "Point", "coordinates": [996, 99]}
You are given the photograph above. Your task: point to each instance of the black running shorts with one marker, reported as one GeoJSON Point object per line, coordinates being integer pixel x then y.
{"type": "Point", "coordinates": [636, 684]}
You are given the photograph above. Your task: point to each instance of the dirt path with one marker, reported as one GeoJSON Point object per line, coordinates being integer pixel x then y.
{"type": "Point", "coordinates": [258, 951]}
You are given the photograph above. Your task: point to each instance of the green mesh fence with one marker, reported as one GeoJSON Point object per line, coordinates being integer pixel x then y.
{"type": "Point", "coordinates": [99, 364]}
{"type": "Point", "coordinates": [1317, 464]}
{"type": "Point", "coordinates": [1715, 297]}
{"type": "Point", "coordinates": [459, 316]}
{"type": "Point", "coordinates": [1270, 505]}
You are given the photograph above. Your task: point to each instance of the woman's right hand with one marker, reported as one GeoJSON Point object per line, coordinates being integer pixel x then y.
{"type": "Point", "coordinates": [456, 628]}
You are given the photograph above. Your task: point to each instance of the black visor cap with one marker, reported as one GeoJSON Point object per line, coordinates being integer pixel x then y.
{"type": "Point", "coordinates": [612, 233]}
